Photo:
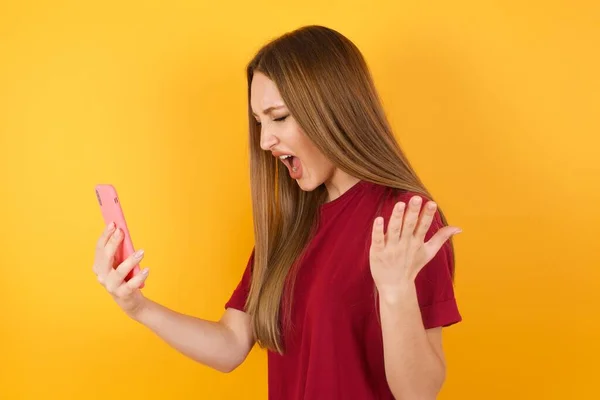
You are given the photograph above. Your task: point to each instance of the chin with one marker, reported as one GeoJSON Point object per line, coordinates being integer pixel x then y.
{"type": "Point", "coordinates": [308, 185]}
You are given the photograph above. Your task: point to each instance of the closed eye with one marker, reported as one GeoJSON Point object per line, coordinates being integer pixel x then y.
{"type": "Point", "coordinates": [280, 119]}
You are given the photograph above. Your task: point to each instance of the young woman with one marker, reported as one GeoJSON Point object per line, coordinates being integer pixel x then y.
{"type": "Point", "coordinates": [350, 280]}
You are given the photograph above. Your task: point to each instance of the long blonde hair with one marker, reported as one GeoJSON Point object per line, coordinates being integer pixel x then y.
{"type": "Point", "coordinates": [325, 83]}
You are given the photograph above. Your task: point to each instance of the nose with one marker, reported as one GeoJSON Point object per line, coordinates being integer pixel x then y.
{"type": "Point", "coordinates": [267, 139]}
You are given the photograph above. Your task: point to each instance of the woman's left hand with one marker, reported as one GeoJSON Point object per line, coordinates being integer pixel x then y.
{"type": "Point", "coordinates": [397, 256]}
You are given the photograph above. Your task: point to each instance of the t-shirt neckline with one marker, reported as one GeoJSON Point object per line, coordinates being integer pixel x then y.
{"type": "Point", "coordinates": [343, 197]}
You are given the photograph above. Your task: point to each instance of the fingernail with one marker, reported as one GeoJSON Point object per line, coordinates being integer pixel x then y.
{"type": "Point", "coordinates": [145, 271]}
{"type": "Point", "coordinates": [139, 254]}
{"type": "Point", "coordinates": [456, 232]}
{"type": "Point", "coordinates": [416, 200]}
{"type": "Point", "coordinates": [111, 225]}
{"type": "Point", "coordinates": [117, 233]}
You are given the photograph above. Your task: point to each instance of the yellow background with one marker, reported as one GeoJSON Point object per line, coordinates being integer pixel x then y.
{"type": "Point", "coordinates": [496, 103]}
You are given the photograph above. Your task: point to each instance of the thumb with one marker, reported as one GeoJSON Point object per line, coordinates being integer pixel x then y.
{"type": "Point", "coordinates": [441, 236]}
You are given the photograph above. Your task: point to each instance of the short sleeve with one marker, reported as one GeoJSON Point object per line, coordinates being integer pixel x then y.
{"type": "Point", "coordinates": [435, 291]}
{"type": "Point", "coordinates": [240, 294]}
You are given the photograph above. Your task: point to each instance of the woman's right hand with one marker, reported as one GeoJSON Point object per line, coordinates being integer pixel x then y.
{"type": "Point", "coordinates": [126, 293]}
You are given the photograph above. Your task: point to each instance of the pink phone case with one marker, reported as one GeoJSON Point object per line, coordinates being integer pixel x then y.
{"type": "Point", "coordinates": [113, 212]}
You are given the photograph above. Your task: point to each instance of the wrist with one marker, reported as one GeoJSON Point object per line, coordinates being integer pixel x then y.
{"type": "Point", "coordinates": [140, 311]}
{"type": "Point", "coordinates": [400, 293]}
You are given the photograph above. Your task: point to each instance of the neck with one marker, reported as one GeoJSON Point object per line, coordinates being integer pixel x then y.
{"type": "Point", "coordinates": [339, 183]}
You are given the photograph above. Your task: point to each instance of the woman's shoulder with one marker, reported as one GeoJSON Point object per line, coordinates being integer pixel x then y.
{"type": "Point", "coordinates": [384, 198]}
{"type": "Point", "coordinates": [390, 195]}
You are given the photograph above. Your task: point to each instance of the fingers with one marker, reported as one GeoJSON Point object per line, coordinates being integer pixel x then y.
{"type": "Point", "coordinates": [132, 285]}
{"type": "Point", "coordinates": [437, 241]}
{"type": "Point", "coordinates": [408, 224]}
{"type": "Point", "coordinates": [113, 244]}
{"type": "Point", "coordinates": [108, 230]}
{"type": "Point", "coordinates": [105, 252]}
{"type": "Point", "coordinates": [395, 225]}
{"type": "Point", "coordinates": [117, 276]}
{"type": "Point", "coordinates": [425, 220]}
{"type": "Point", "coordinates": [104, 258]}
{"type": "Point", "coordinates": [411, 218]}
{"type": "Point", "coordinates": [377, 236]}
{"type": "Point", "coordinates": [100, 262]}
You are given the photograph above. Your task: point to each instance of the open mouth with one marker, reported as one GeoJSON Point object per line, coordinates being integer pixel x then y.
{"type": "Point", "coordinates": [293, 165]}
{"type": "Point", "coordinates": [288, 160]}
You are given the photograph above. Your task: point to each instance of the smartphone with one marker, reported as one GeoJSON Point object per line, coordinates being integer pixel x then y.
{"type": "Point", "coordinates": [111, 209]}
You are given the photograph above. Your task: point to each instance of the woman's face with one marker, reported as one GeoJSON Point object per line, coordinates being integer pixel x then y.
{"type": "Point", "coordinates": [282, 136]}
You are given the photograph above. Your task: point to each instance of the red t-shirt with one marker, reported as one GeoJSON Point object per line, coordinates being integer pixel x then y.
{"type": "Point", "coordinates": [335, 348]}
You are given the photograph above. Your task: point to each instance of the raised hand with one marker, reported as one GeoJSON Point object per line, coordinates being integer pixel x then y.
{"type": "Point", "coordinates": [397, 256]}
{"type": "Point", "coordinates": [112, 277]}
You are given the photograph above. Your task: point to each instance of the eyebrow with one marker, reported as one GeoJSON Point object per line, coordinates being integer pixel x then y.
{"type": "Point", "coordinates": [269, 109]}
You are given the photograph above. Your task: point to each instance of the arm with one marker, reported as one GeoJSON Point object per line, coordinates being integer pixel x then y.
{"type": "Point", "coordinates": [414, 360]}
{"type": "Point", "coordinates": [413, 297]}
{"type": "Point", "coordinates": [222, 345]}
